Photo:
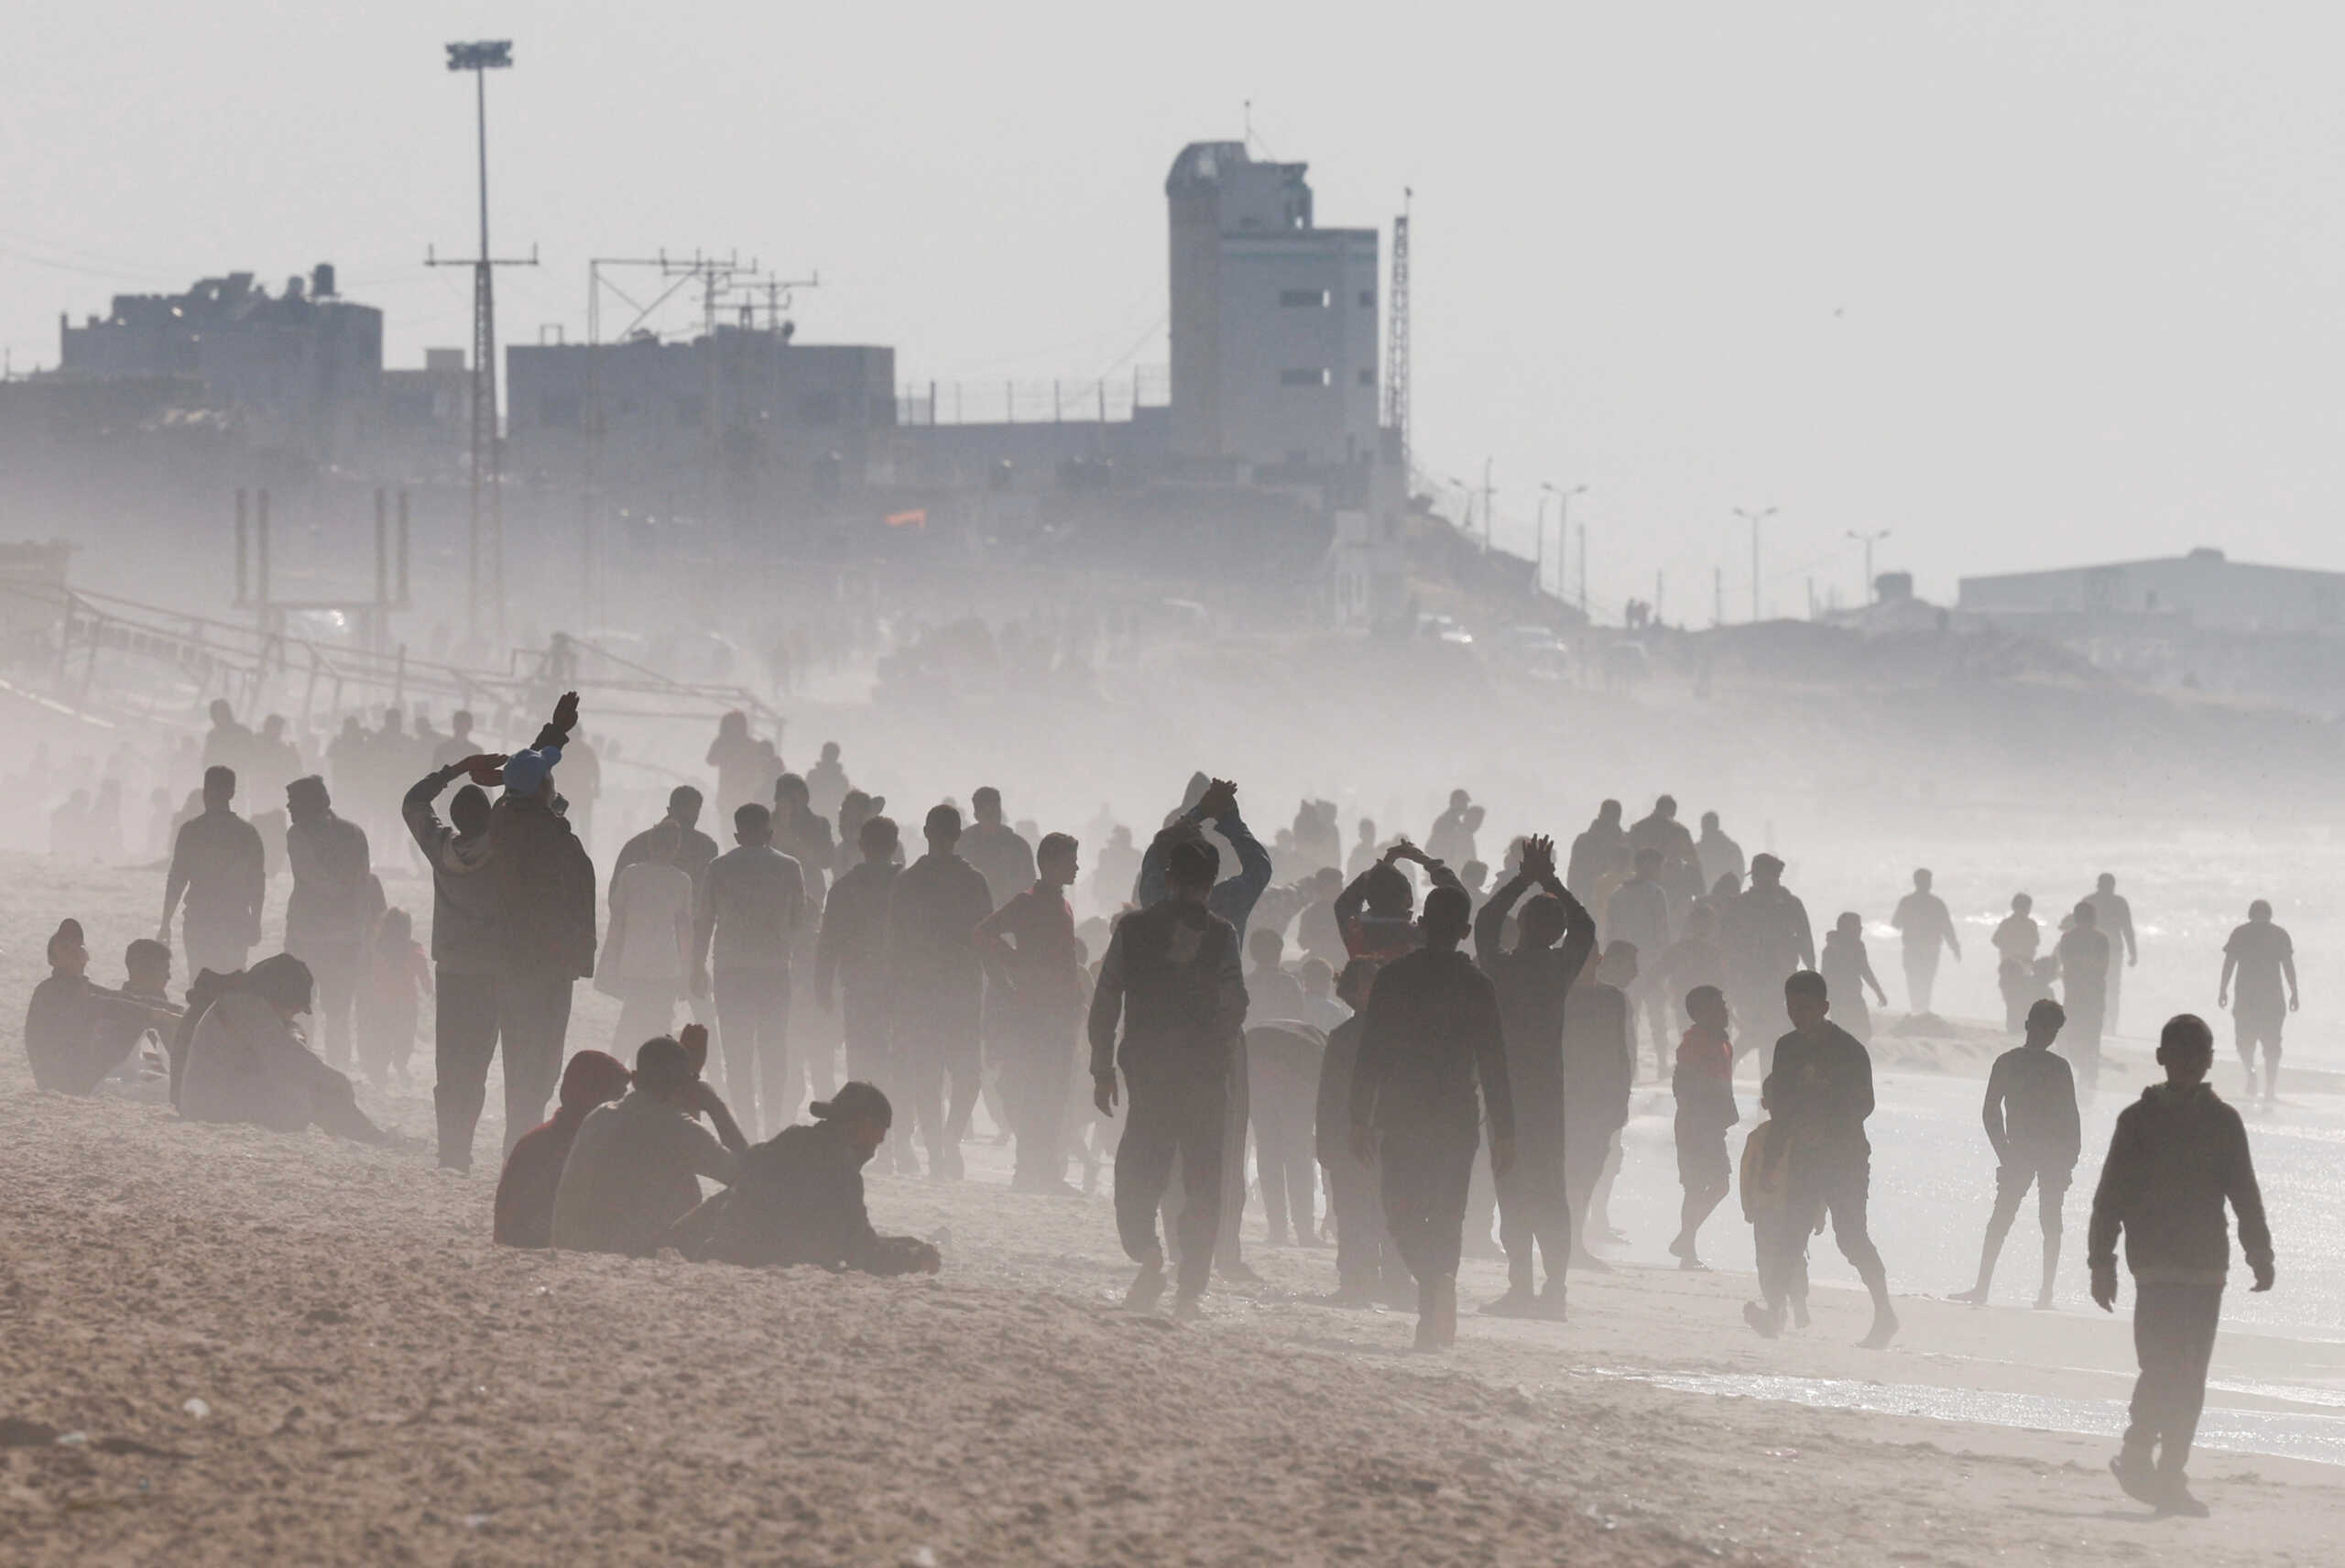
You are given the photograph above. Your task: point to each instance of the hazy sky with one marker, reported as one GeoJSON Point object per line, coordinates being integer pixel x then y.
{"type": "Point", "coordinates": [2026, 284]}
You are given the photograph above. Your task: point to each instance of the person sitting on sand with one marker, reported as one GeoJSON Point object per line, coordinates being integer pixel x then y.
{"type": "Point", "coordinates": [632, 1169]}
{"type": "Point", "coordinates": [525, 1193]}
{"type": "Point", "coordinates": [247, 1062]}
{"type": "Point", "coordinates": [1703, 1084]}
{"type": "Point", "coordinates": [77, 1033]}
{"type": "Point", "coordinates": [800, 1198]}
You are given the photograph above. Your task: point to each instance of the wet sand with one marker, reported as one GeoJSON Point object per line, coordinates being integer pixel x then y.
{"type": "Point", "coordinates": [379, 1384]}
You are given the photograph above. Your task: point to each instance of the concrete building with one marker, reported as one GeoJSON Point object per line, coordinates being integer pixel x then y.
{"type": "Point", "coordinates": [1274, 319]}
{"type": "Point", "coordinates": [732, 426]}
{"type": "Point", "coordinates": [302, 369]}
{"type": "Point", "coordinates": [2203, 591]}
{"type": "Point", "coordinates": [427, 417]}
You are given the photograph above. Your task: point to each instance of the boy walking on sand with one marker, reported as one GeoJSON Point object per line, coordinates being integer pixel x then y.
{"type": "Point", "coordinates": [2177, 1156]}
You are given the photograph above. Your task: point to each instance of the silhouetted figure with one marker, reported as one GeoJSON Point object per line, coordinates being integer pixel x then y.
{"type": "Point", "coordinates": [1639, 913]}
{"type": "Point", "coordinates": [647, 959]}
{"type": "Point", "coordinates": [228, 743]}
{"type": "Point", "coordinates": [1600, 1075]}
{"type": "Point", "coordinates": [2083, 954]}
{"type": "Point", "coordinates": [1533, 980]}
{"type": "Point", "coordinates": [1923, 921]}
{"type": "Point", "coordinates": [1116, 870]}
{"type": "Point", "coordinates": [532, 1174]}
{"type": "Point", "coordinates": [1695, 959]}
{"type": "Point", "coordinates": [77, 1033]}
{"type": "Point", "coordinates": [1819, 1093]}
{"type": "Point", "coordinates": [464, 946]}
{"type": "Point", "coordinates": [1283, 1061]}
{"type": "Point", "coordinates": [1432, 1040]}
{"type": "Point", "coordinates": [1003, 858]}
{"type": "Point", "coordinates": [2017, 940]}
{"type": "Point", "coordinates": [1035, 997]}
{"type": "Point", "coordinates": [2258, 956]}
{"type": "Point", "coordinates": [2178, 1154]}
{"type": "Point", "coordinates": [799, 1198]}
{"type": "Point", "coordinates": [2031, 1116]}
{"type": "Point", "coordinates": [1174, 982]}
{"type": "Point", "coordinates": [634, 1167]}
{"type": "Point", "coordinates": [247, 1062]}
{"type": "Point", "coordinates": [545, 917]}
{"type": "Point", "coordinates": [1594, 852]}
{"type": "Point", "coordinates": [1452, 838]}
{"type": "Point", "coordinates": [746, 923]}
{"type": "Point", "coordinates": [827, 783]}
{"type": "Point", "coordinates": [334, 905]}
{"type": "Point", "coordinates": [398, 978]}
{"type": "Point", "coordinates": [1368, 1270]}
{"type": "Point", "coordinates": [1376, 912]}
{"type": "Point", "coordinates": [1364, 848]}
{"type": "Point", "coordinates": [2115, 917]}
{"type": "Point", "coordinates": [458, 748]}
{"type": "Point", "coordinates": [1717, 855]}
{"type": "Point", "coordinates": [1703, 1086]}
{"type": "Point", "coordinates": [1848, 970]}
{"type": "Point", "coordinates": [933, 916]}
{"type": "Point", "coordinates": [851, 961]}
{"type": "Point", "coordinates": [1212, 802]}
{"type": "Point", "coordinates": [694, 849]}
{"type": "Point", "coordinates": [742, 770]}
{"type": "Point", "coordinates": [804, 835]}
{"type": "Point", "coordinates": [1767, 937]}
{"type": "Point", "coordinates": [218, 865]}
{"type": "Point", "coordinates": [1660, 829]}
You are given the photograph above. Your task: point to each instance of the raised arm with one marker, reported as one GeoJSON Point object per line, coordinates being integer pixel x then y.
{"type": "Point", "coordinates": [1490, 924]}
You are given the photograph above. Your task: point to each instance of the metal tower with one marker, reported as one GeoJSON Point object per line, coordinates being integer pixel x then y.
{"type": "Point", "coordinates": [1396, 344]}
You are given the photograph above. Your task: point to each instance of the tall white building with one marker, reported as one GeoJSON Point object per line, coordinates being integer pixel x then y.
{"type": "Point", "coordinates": [1273, 321]}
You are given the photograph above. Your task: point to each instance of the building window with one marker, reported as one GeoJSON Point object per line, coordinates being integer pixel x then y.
{"type": "Point", "coordinates": [1368, 378]}
{"type": "Point", "coordinates": [1368, 298]}
{"type": "Point", "coordinates": [1306, 379]}
{"type": "Point", "coordinates": [1306, 299]}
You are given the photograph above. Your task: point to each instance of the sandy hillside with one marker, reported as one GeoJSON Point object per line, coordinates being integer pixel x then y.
{"type": "Point", "coordinates": [376, 1383]}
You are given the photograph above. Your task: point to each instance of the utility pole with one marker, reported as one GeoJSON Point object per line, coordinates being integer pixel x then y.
{"type": "Point", "coordinates": [487, 463]}
{"type": "Point", "coordinates": [1864, 590]}
{"type": "Point", "coordinates": [1717, 595]}
{"type": "Point", "coordinates": [1486, 501]}
{"type": "Point", "coordinates": [1563, 541]}
{"type": "Point", "coordinates": [1754, 519]}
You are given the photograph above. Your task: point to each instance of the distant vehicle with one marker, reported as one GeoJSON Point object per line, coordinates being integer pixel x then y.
{"type": "Point", "coordinates": [1537, 651]}
{"type": "Point", "coordinates": [1435, 627]}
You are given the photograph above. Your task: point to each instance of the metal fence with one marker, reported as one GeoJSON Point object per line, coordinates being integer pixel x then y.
{"type": "Point", "coordinates": [1014, 402]}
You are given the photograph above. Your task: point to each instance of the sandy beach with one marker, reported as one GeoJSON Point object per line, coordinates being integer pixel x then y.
{"type": "Point", "coordinates": [219, 1343]}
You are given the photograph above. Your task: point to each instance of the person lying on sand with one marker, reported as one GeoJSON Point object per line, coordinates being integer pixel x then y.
{"type": "Point", "coordinates": [247, 1062]}
{"type": "Point", "coordinates": [525, 1193]}
{"type": "Point", "coordinates": [633, 1169]}
{"type": "Point", "coordinates": [800, 1198]}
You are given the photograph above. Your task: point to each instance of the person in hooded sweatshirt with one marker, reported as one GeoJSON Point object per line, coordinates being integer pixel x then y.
{"type": "Point", "coordinates": [248, 1063]}
{"type": "Point", "coordinates": [545, 921]}
{"type": "Point", "coordinates": [800, 1198]}
{"type": "Point", "coordinates": [2178, 1154]}
{"type": "Point", "coordinates": [525, 1193]}
{"type": "Point", "coordinates": [634, 1167]}
{"type": "Point", "coordinates": [463, 945]}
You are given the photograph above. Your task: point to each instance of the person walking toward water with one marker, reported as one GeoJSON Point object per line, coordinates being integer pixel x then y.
{"type": "Point", "coordinates": [2115, 917]}
{"type": "Point", "coordinates": [2178, 1154]}
{"type": "Point", "coordinates": [2084, 955]}
{"type": "Point", "coordinates": [1923, 920]}
{"type": "Point", "coordinates": [2258, 956]}
{"type": "Point", "coordinates": [217, 863]}
{"type": "Point", "coordinates": [2031, 1116]}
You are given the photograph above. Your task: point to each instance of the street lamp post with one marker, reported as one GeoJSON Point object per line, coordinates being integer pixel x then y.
{"type": "Point", "coordinates": [1864, 589]}
{"type": "Point", "coordinates": [1563, 541]}
{"type": "Point", "coordinates": [1754, 519]}
{"type": "Point", "coordinates": [480, 59]}
{"type": "Point", "coordinates": [1539, 540]}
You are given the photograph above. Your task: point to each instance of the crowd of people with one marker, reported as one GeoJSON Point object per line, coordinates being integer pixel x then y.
{"type": "Point", "coordinates": [1435, 1008]}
